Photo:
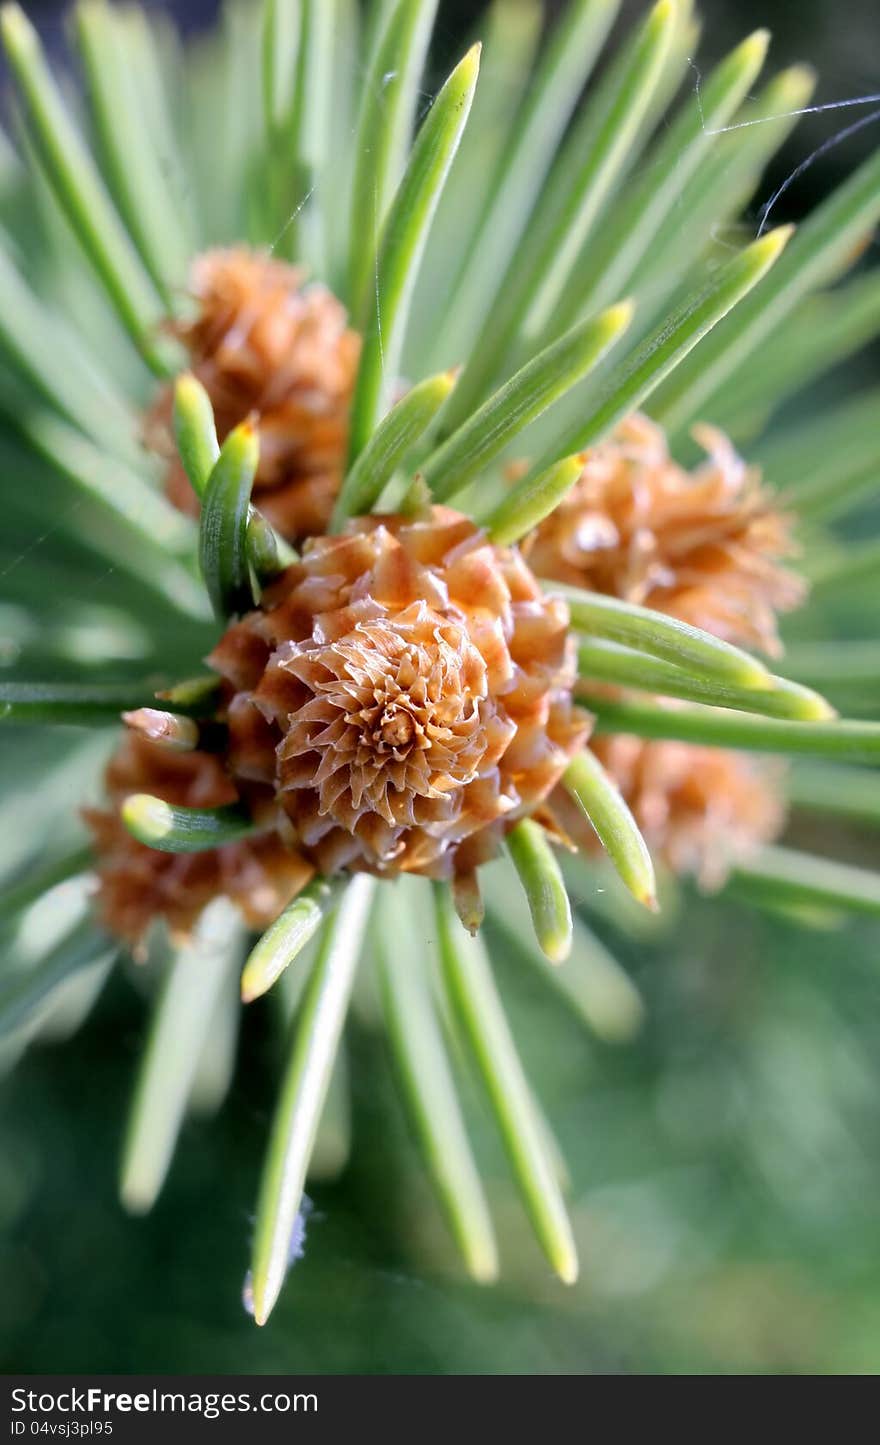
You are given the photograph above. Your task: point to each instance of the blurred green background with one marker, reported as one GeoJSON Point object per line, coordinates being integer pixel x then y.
{"type": "Point", "coordinates": [725, 1167]}
{"type": "Point", "coordinates": [725, 1176]}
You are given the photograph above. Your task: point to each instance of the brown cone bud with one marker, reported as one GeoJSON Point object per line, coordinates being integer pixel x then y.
{"type": "Point", "coordinates": [262, 342]}
{"type": "Point", "coordinates": [138, 884]}
{"type": "Point", "coordinates": [407, 688]}
{"type": "Point", "coordinates": [704, 546]}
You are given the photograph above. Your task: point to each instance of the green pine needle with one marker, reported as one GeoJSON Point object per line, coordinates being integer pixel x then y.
{"type": "Point", "coordinates": [529, 393]}
{"type": "Point", "coordinates": [184, 830]}
{"type": "Point", "coordinates": [223, 530]}
{"type": "Point", "coordinates": [602, 804]}
{"type": "Point", "coordinates": [526, 506]}
{"type": "Point", "coordinates": [635, 223]}
{"type": "Point", "coordinates": [178, 1034]}
{"type": "Point", "coordinates": [781, 875]}
{"type": "Point", "coordinates": [604, 661]}
{"type": "Point", "coordinates": [553, 92]}
{"type": "Point", "coordinates": [824, 242]}
{"type": "Point", "coordinates": [303, 1092]}
{"type": "Point", "coordinates": [473, 995]}
{"type": "Point", "coordinates": [393, 439]}
{"type": "Point", "coordinates": [604, 137]}
{"type": "Point", "coordinates": [52, 360]}
{"type": "Point", "coordinates": [645, 630]}
{"type": "Point", "coordinates": [21, 895]}
{"type": "Point", "coordinates": [287, 936]}
{"type": "Point", "coordinates": [542, 881]}
{"type": "Point", "coordinates": [841, 738]}
{"type": "Point", "coordinates": [25, 992]}
{"type": "Point", "coordinates": [280, 48]}
{"type": "Point", "coordinates": [133, 166]}
{"type": "Point", "coordinates": [403, 242]}
{"type": "Point", "coordinates": [199, 449]}
{"type": "Point", "coordinates": [80, 190]}
{"type": "Point", "coordinates": [629, 384]}
{"type": "Point", "coordinates": [429, 1087]}
{"type": "Point", "coordinates": [70, 704]}
{"type": "Point", "coordinates": [836, 790]}
{"type": "Point", "coordinates": [195, 432]}
{"type": "Point", "coordinates": [388, 105]}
